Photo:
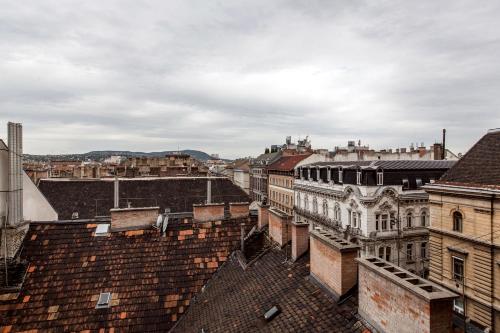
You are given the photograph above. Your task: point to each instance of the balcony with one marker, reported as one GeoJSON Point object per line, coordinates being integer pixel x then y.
{"type": "Point", "coordinates": [321, 219]}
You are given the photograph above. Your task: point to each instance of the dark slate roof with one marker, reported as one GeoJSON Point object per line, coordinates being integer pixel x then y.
{"type": "Point", "coordinates": [91, 198]}
{"type": "Point", "coordinates": [269, 157]}
{"type": "Point", "coordinates": [287, 163]}
{"type": "Point", "coordinates": [152, 278]}
{"type": "Point", "coordinates": [392, 165]}
{"type": "Point", "coordinates": [480, 166]}
{"type": "Point", "coordinates": [235, 301]}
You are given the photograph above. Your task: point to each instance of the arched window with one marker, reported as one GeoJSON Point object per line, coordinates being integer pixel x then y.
{"type": "Point", "coordinates": [423, 218]}
{"type": "Point", "coordinates": [409, 219]}
{"type": "Point", "coordinates": [325, 207]}
{"type": "Point", "coordinates": [306, 202]}
{"type": "Point", "coordinates": [315, 205]}
{"type": "Point", "coordinates": [380, 177]}
{"type": "Point", "coordinates": [457, 221]}
{"type": "Point", "coordinates": [337, 212]}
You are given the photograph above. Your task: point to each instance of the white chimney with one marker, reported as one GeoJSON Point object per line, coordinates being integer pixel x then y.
{"type": "Point", "coordinates": [15, 180]}
{"type": "Point", "coordinates": [117, 193]}
{"type": "Point", "coordinates": [209, 191]}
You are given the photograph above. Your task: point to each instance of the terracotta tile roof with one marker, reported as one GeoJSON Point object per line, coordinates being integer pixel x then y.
{"type": "Point", "coordinates": [236, 300]}
{"type": "Point", "coordinates": [287, 163]}
{"type": "Point", "coordinates": [480, 165]}
{"type": "Point", "coordinates": [91, 198]}
{"type": "Point", "coordinates": [152, 279]}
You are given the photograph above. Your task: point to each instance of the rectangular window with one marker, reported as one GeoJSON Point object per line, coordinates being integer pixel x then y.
{"type": "Point", "coordinates": [355, 219]}
{"type": "Point", "coordinates": [419, 182]}
{"type": "Point", "coordinates": [388, 253]}
{"type": "Point", "coordinates": [406, 184]}
{"type": "Point", "coordinates": [458, 269]}
{"type": "Point", "coordinates": [340, 176]}
{"type": "Point", "coordinates": [393, 221]}
{"type": "Point", "coordinates": [409, 252]}
{"type": "Point", "coordinates": [384, 221]}
{"type": "Point", "coordinates": [358, 177]}
{"type": "Point", "coordinates": [423, 250]}
{"type": "Point", "coordinates": [377, 221]}
{"type": "Point", "coordinates": [458, 305]}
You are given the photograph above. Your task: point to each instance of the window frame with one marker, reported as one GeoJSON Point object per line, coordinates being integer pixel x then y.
{"type": "Point", "coordinates": [458, 225]}
{"type": "Point", "coordinates": [455, 259]}
{"type": "Point", "coordinates": [380, 178]}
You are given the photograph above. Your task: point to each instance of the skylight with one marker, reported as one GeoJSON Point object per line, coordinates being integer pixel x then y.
{"type": "Point", "coordinates": [104, 300]}
{"type": "Point", "coordinates": [102, 229]}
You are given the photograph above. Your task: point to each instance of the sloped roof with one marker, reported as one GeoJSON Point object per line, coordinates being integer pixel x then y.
{"type": "Point", "coordinates": [91, 198]}
{"type": "Point", "coordinates": [480, 166]}
{"type": "Point", "coordinates": [152, 278]}
{"type": "Point", "coordinates": [287, 163]}
{"type": "Point", "coordinates": [235, 300]}
{"type": "Point", "coordinates": [268, 157]}
{"type": "Point", "coordinates": [391, 164]}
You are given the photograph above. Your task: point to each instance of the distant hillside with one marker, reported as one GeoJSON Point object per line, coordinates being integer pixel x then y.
{"type": "Point", "coordinates": [103, 154]}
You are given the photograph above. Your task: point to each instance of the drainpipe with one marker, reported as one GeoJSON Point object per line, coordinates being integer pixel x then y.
{"type": "Point", "coordinates": [492, 254]}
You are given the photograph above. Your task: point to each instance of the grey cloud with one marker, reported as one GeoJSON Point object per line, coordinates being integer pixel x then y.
{"type": "Point", "coordinates": [235, 77]}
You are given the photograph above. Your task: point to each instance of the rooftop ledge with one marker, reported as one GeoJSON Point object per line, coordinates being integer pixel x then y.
{"type": "Point", "coordinates": [329, 238]}
{"type": "Point", "coordinates": [133, 209]}
{"type": "Point", "coordinates": [403, 278]}
{"type": "Point", "coordinates": [244, 203]}
{"type": "Point", "coordinates": [208, 204]}
{"type": "Point", "coordinates": [278, 212]}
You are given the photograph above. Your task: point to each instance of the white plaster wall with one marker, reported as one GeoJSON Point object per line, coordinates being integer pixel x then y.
{"type": "Point", "coordinates": [35, 205]}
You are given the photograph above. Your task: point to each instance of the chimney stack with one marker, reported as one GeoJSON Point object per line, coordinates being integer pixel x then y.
{"type": "Point", "coordinates": [15, 195]}
{"type": "Point", "coordinates": [117, 193]}
{"type": "Point", "coordinates": [209, 191]}
{"type": "Point", "coordinates": [443, 153]}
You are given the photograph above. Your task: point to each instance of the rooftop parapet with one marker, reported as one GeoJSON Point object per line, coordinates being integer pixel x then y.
{"type": "Point", "coordinates": [394, 300]}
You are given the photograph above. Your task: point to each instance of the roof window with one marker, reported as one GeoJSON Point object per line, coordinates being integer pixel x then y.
{"type": "Point", "coordinates": [102, 229]}
{"type": "Point", "coordinates": [104, 300]}
{"type": "Point", "coordinates": [419, 182]}
{"type": "Point", "coordinates": [406, 184]}
{"type": "Point", "coordinates": [271, 313]}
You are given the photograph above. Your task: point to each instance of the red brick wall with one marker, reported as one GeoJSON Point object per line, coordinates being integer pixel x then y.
{"type": "Point", "coordinates": [279, 228]}
{"type": "Point", "coordinates": [209, 212]}
{"type": "Point", "coordinates": [393, 308]}
{"type": "Point", "coordinates": [125, 218]}
{"type": "Point", "coordinates": [300, 239]}
{"type": "Point", "coordinates": [335, 269]}
{"type": "Point", "coordinates": [263, 218]}
{"type": "Point", "coordinates": [239, 209]}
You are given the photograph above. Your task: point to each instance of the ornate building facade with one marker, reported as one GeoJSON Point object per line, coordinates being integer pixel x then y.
{"type": "Point", "coordinates": [377, 204]}
{"type": "Point", "coordinates": [465, 234]}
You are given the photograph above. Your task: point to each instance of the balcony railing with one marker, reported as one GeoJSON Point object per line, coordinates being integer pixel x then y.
{"type": "Point", "coordinates": [321, 219]}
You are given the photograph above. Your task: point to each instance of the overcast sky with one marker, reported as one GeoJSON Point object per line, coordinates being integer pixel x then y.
{"type": "Point", "coordinates": [232, 77]}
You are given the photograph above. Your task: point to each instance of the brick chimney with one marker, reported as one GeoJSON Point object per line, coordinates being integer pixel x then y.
{"type": "Point", "coordinates": [392, 299]}
{"type": "Point", "coordinates": [239, 209]}
{"type": "Point", "coordinates": [333, 262]}
{"type": "Point", "coordinates": [208, 212]}
{"type": "Point", "coordinates": [279, 226]}
{"type": "Point", "coordinates": [300, 239]}
{"type": "Point", "coordinates": [133, 218]}
{"type": "Point", "coordinates": [263, 215]}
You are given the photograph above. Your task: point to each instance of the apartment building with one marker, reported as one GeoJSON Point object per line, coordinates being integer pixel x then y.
{"type": "Point", "coordinates": [379, 205]}
{"type": "Point", "coordinates": [465, 234]}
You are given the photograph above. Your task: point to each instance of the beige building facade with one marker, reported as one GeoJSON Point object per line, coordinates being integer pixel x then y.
{"type": "Point", "coordinates": [465, 234]}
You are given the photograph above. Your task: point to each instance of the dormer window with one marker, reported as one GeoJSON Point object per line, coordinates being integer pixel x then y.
{"type": "Point", "coordinates": [358, 177]}
{"type": "Point", "coordinates": [380, 177]}
{"type": "Point", "coordinates": [74, 216]}
{"type": "Point", "coordinates": [419, 182]}
{"type": "Point", "coordinates": [406, 183]}
{"type": "Point", "coordinates": [102, 229]}
{"type": "Point", "coordinates": [104, 301]}
{"type": "Point", "coordinates": [340, 176]}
